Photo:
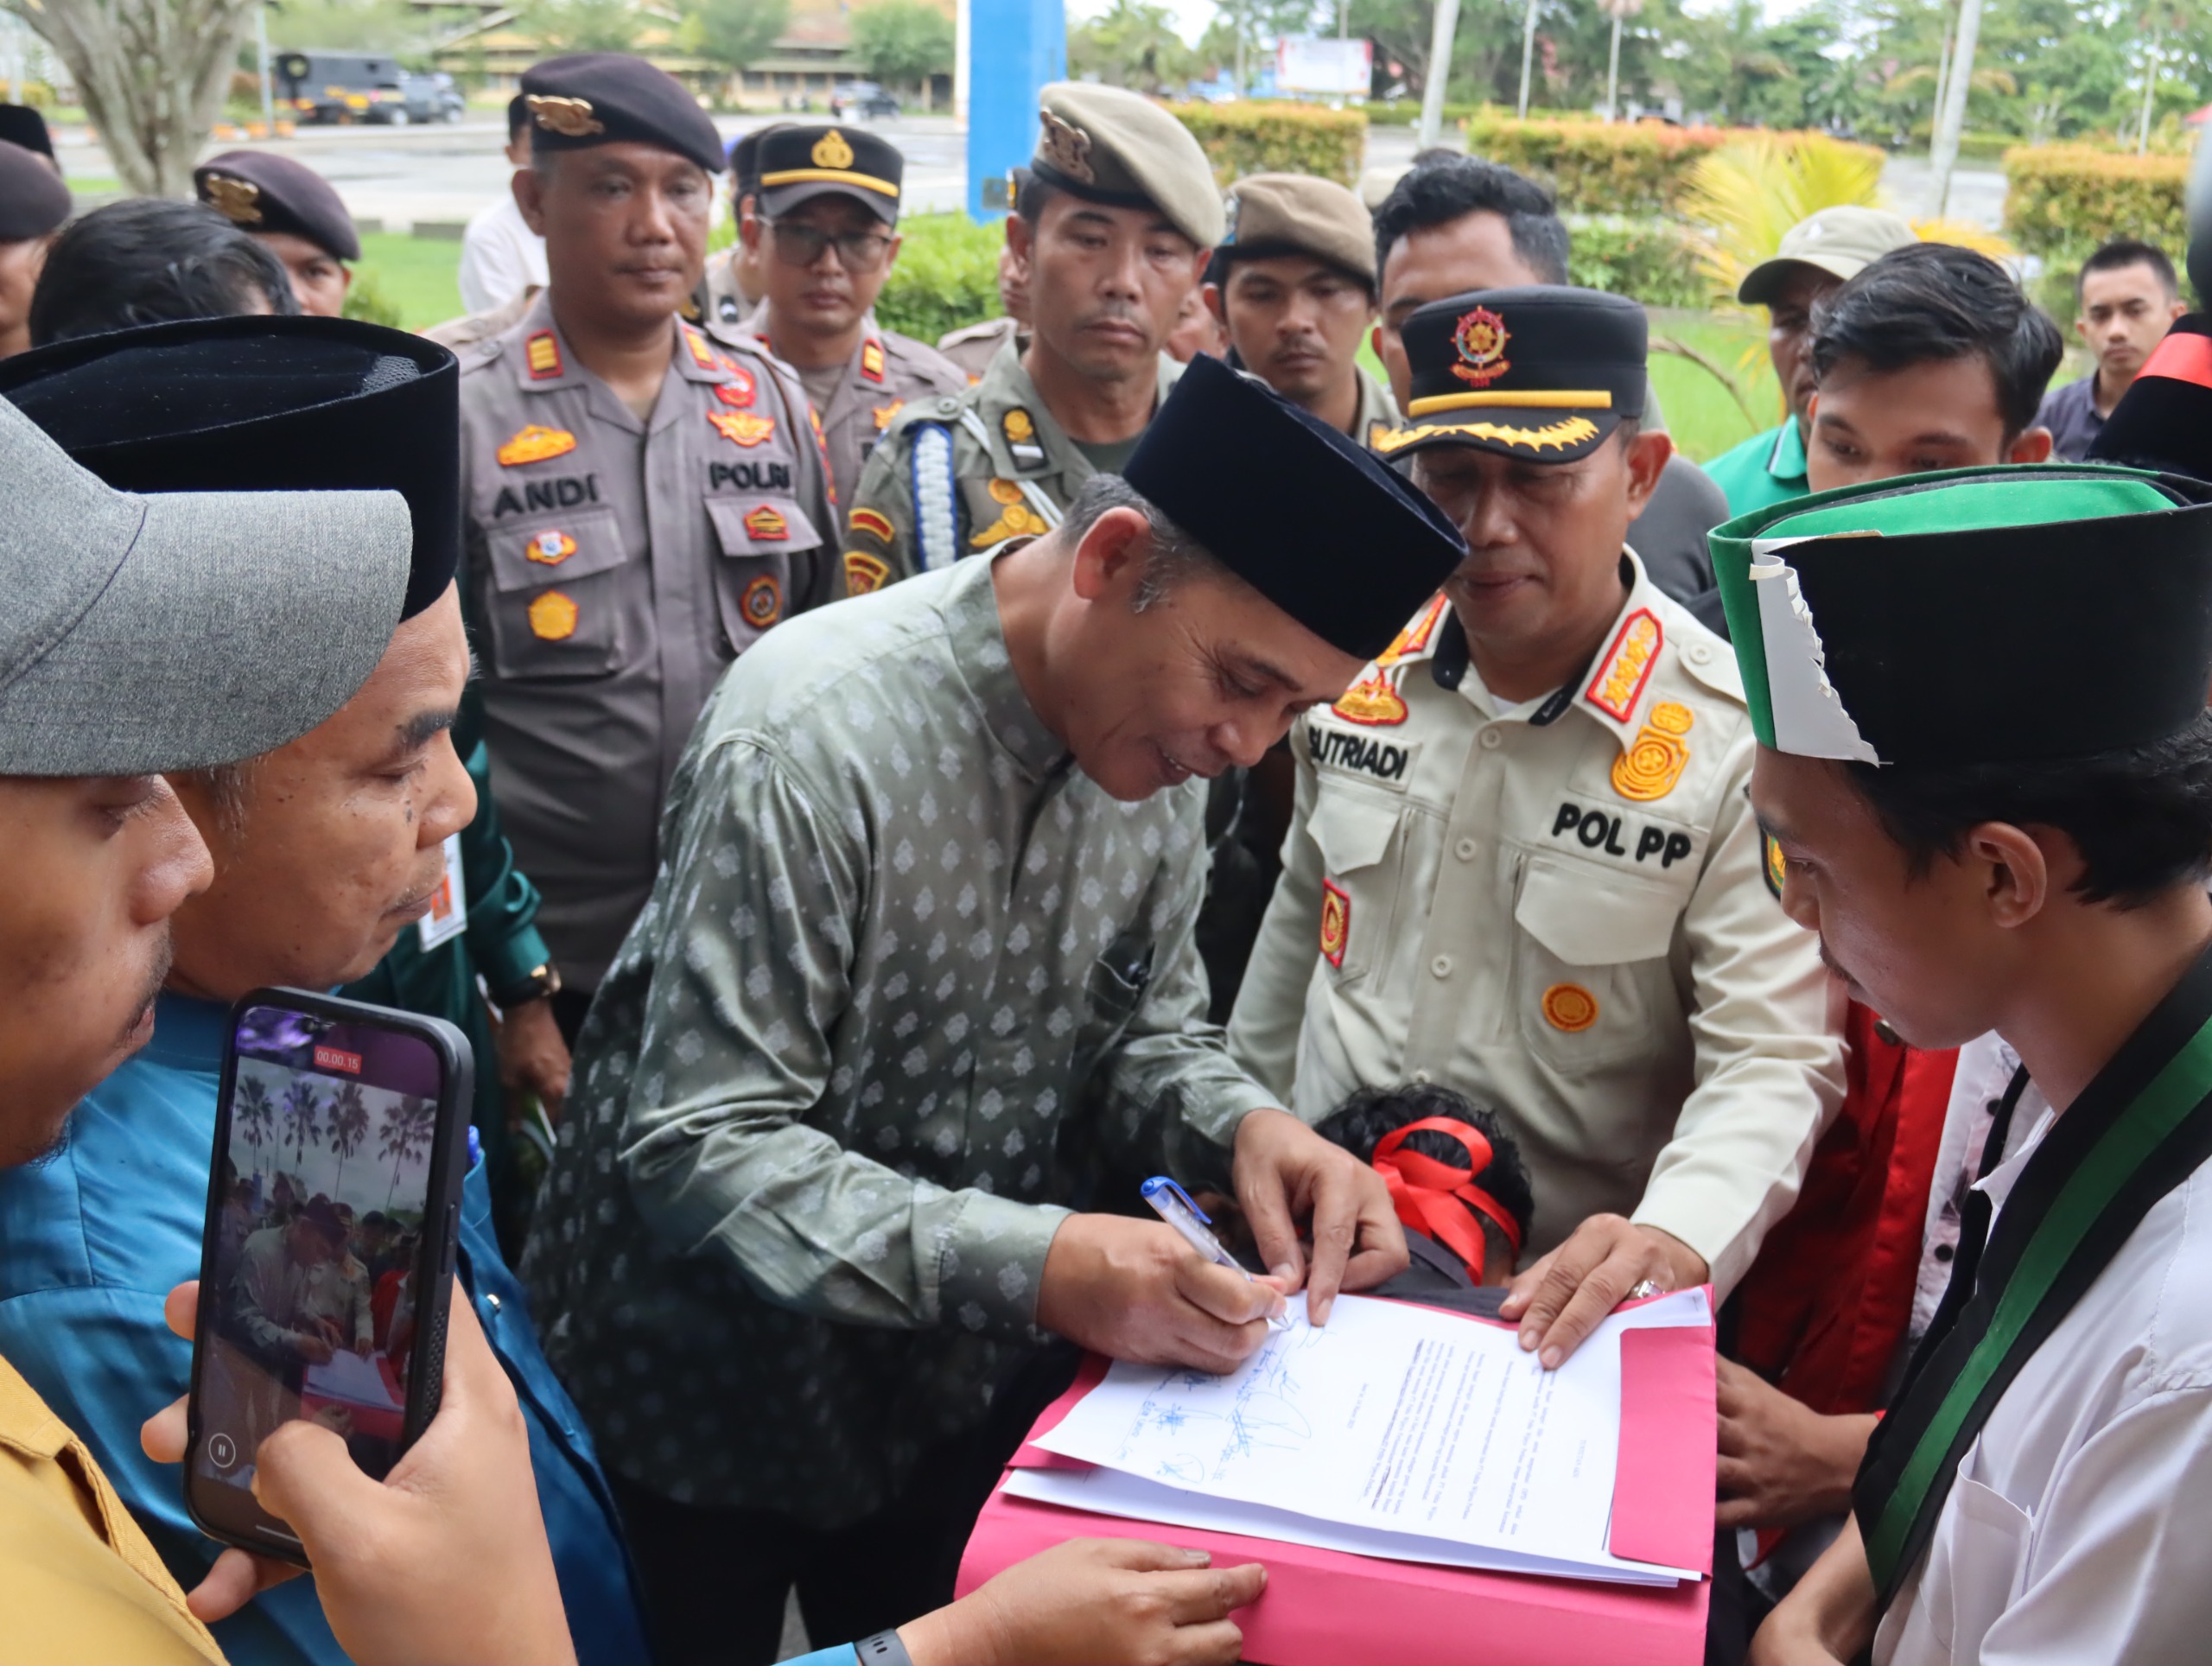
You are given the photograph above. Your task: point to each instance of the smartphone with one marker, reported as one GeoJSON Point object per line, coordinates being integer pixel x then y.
{"type": "Point", "coordinates": [334, 1206]}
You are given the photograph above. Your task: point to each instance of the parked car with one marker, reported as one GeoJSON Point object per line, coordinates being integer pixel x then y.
{"type": "Point", "coordinates": [850, 99]}
{"type": "Point", "coordinates": [359, 87]}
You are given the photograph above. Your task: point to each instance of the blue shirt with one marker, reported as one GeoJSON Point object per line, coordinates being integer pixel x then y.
{"type": "Point", "coordinates": [93, 1238]}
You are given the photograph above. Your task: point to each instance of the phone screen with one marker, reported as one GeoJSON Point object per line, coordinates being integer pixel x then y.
{"type": "Point", "coordinates": [315, 1256]}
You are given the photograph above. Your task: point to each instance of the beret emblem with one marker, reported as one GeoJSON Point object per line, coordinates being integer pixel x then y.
{"type": "Point", "coordinates": [570, 117]}
{"type": "Point", "coordinates": [237, 201]}
{"type": "Point", "coordinates": [1068, 149]}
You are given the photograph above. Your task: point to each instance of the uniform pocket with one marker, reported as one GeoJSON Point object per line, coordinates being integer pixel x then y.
{"type": "Point", "coordinates": [555, 608]}
{"type": "Point", "coordinates": [1593, 982]}
{"type": "Point", "coordinates": [1974, 1560]}
{"type": "Point", "coordinates": [758, 536]}
{"type": "Point", "coordinates": [1353, 831]}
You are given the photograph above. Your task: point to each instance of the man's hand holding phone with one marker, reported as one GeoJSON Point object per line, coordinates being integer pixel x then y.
{"type": "Point", "coordinates": [444, 1561]}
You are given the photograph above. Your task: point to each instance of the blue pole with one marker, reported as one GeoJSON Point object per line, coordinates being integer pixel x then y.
{"type": "Point", "coordinates": [1014, 47]}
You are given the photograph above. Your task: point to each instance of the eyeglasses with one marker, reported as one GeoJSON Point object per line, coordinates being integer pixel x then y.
{"type": "Point", "coordinates": [798, 244]}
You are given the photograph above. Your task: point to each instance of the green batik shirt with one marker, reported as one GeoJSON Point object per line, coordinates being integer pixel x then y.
{"type": "Point", "coordinates": [906, 979]}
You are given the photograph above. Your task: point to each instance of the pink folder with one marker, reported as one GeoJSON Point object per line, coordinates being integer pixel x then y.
{"type": "Point", "coordinates": [1328, 1608]}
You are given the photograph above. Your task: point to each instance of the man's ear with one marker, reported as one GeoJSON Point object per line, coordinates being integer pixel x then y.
{"type": "Point", "coordinates": [749, 230]}
{"type": "Point", "coordinates": [1110, 555]}
{"type": "Point", "coordinates": [2017, 869]}
{"type": "Point", "coordinates": [2082, 325]}
{"type": "Point", "coordinates": [1211, 293]}
{"type": "Point", "coordinates": [2033, 447]}
{"type": "Point", "coordinates": [1021, 237]}
{"type": "Point", "coordinates": [528, 186]}
{"type": "Point", "coordinates": [1646, 460]}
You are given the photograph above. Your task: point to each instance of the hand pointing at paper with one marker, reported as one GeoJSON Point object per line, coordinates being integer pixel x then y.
{"type": "Point", "coordinates": [1558, 1301]}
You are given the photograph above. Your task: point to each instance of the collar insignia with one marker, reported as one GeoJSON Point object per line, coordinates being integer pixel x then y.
{"type": "Point", "coordinates": [570, 118]}
{"type": "Point", "coordinates": [543, 356]}
{"type": "Point", "coordinates": [1481, 336]}
{"type": "Point", "coordinates": [1627, 667]}
{"type": "Point", "coordinates": [701, 354]}
{"type": "Point", "coordinates": [741, 428]}
{"type": "Point", "coordinates": [534, 444]}
{"type": "Point", "coordinates": [1416, 637]}
{"type": "Point", "coordinates": [872, 359]}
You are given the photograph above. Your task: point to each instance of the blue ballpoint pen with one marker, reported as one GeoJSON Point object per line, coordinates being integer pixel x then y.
{"type": "Point", "coordinates": [1173, 1204]}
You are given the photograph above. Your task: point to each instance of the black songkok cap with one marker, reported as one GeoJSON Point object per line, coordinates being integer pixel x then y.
{"type": "Point", "coordinates": [1543, 372]}
{"type": "Point", "coordinates": [1335, 538]}
{"type": "Point", "coordinates": [609, 98]}
{"type": "Point", "coordinates": [256, 193]}
{"type": "Point", "coordinates": [32, 199]}
{"type": "Point", "coordinates": [21, 124]}
{"type": "Point", "coordinates": [259, 403]}
{"type": "Point", "coordinates": [2164, 419]}
{"type": "Point", "coordinates": [798, 163]}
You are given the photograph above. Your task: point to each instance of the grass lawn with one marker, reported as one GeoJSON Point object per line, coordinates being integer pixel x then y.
{"type": "Point", "coordinates": [417, 276]}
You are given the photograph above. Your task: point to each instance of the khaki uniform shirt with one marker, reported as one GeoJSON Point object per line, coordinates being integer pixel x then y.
{"type": "Point", "coordinates": [718, 300]}
{"type": "Point", "coordinates": [907, 976]}
{"type": "Point", "coordinates": [79, 1583]}
{"type": "Point", "coordinates": [1379, 412]}
{"type": "Point", "coordinates": [936, 490]}
{"type": "Point", "coordinates": [612, 568]}
{"type": "Point", "coordinates": [887, 370]}
{"type": "Point", "coordinates": [467, 331]}
{"type": "Point", "coordinates": [1557, 909]}
{"type": "Point", "coordinates": [974, 347]}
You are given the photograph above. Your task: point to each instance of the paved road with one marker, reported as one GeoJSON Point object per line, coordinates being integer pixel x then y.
{"type": "Point", "coordinates": [402, 175]}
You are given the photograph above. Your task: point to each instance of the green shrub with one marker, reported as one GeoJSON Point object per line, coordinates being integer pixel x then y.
{"type": "Point", "coordinates": [366, 301]}
{"type": "Point", "coordinates": [1649, 260]}
{"type": "Point", "coordinates": [1602, 168]}
{"type": "Point", "coordinates": [2064, 200]}
{"type": "Point", "coordinates": [1277, 138]}
{"type": "Point", "coordinates": [946, 277]}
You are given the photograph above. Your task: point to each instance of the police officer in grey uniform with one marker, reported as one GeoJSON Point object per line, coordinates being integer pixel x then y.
{"type": "Point", "coordinates": [1113, 228]}
{"type": "Point", "coordinates": [731, 287]}
{"type": "Point", "coordinates": [1306, 250]}
{"type": "Point", "coordinates": [823, 237]}
{"type": "Point", "coordinates": [642, 503]}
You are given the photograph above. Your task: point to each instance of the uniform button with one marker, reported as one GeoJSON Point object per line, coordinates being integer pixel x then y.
{"type": "Point", "coordinates": [1491, 740]}
{"type": "Point", "coordinates": [1943, 1252]}
{"type": "Point", "coordinates": [1441, 965]}
{"type": "Point", "coordinates": [1420, 1079]}
{"type": "Point", "coordinates": [1698, 654]}
{"type": "Point", "coordinates": [1464, 850]}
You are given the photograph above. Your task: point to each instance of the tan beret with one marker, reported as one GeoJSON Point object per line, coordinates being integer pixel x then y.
{"type": "Point", "coordinates": [1295, 213]}
{"type": "Point", "coordinates": [1107, 144]}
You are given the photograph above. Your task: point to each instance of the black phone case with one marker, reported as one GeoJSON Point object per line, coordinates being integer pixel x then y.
{"type": "Point", "coordinates": [449, 1168]}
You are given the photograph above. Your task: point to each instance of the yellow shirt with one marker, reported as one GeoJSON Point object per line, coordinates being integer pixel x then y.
{"type": "Point", "coordinates": [78, 1582]}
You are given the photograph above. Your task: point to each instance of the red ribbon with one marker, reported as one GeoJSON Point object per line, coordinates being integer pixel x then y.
{"type": "Point", "coordinates": [1428, 1194]}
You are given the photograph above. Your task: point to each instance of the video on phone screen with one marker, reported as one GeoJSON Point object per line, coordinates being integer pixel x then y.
{"type": "Point", "coordinates": [323, 1193]}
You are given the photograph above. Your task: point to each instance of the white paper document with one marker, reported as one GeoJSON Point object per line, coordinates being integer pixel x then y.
{"type": "Point", "coordinates": [348, 1377]}
{"type": "Point", "coordinates": [1395, 1420]}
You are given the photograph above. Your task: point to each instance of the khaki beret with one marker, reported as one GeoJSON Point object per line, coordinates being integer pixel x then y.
{"type": "Point", "coordinates": [1106, 144]}
{"type": "Point", "coordinates": [1295, 213]}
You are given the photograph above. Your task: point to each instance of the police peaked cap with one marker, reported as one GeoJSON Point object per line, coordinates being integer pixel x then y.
{"type": "Point", "coordinates": [258, 404]}
{"type": "Point", "coordinates": [1543, 372]}
{"type": "Point", "coordinates": [21, 124]}
{"type": "Point", "coordinates": [798, 163]}
{"type": "Point", "coordinates": [744, 158]}
{"type": "Point", "coordinates": [1335, 538]}
{"type": "Point", "coordinates": [591, 98]}
{"type": "Point", "coordinates": [257, 193]}
{"type": "Point", "coordinates": [32, 199]}
{"type": "Point", "coordinates": [2001, 615]}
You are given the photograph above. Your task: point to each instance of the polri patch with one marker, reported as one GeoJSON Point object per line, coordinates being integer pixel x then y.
{"type": "Point", "coordinates": [742, 428]}
{"type": "Point", "coordinates": [1336, 922]}
{"type": "Point", "coordinates": [535, 444]}
{"type": "Point", "coordinates": [543, 354]}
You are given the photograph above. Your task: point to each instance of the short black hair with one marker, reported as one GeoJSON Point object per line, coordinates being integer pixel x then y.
{"type": "Point", "coordinates": [1934, 301]}
{"type": "Point", "coordinates": [1370, 1115]}
{"type": "Point", "coordinates": [518, 117]}
{"type": "Point", "coordinates": [149, 260]}
{"type": "Point", "coordinates": [2141, 817]}
{"type": "Point", "coordinates": [1031, 195]}
{"type": "Point", "coordinates": [2123, 252]}
{"type": "Point", "coordinates": [1447, 186]}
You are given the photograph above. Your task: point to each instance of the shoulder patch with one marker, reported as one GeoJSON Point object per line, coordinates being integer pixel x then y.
{"type": "Point", "coordinates": [1373, 700]}
{"type": "Point", "coordinates": [534, 444]}
{"type": "Point", "coordinates": [864, 574]}
{"type": "Point", "coordinates": [1415, 637]}
{"type": "Point", "coordinates": [1626, 666]}
{"type": "Point", "coordinates": [545, 356]}
{"type": "Point", "coordinates": [874, 522]}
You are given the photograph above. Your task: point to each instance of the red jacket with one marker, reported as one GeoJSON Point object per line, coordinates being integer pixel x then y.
{"type": "Point", "coordinates": [1826, 1304]}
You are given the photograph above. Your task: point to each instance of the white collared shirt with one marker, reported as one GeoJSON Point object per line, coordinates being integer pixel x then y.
{"type": "Point", "coordinates": [2080, 1527]}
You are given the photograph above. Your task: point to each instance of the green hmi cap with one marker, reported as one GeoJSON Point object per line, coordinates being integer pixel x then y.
{"type": "Point", "coordinates": [1984, 615]}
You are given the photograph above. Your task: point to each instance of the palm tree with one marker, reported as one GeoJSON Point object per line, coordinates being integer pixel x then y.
{"type": "Point", "coordinates": [404, 1132]}
{"type": "Point", "coordinates": [349, 1126]}
{"type": "Point", "coordinates": [256, 1117]}
{"type": "Point", "coordinates": [302, 1108]}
